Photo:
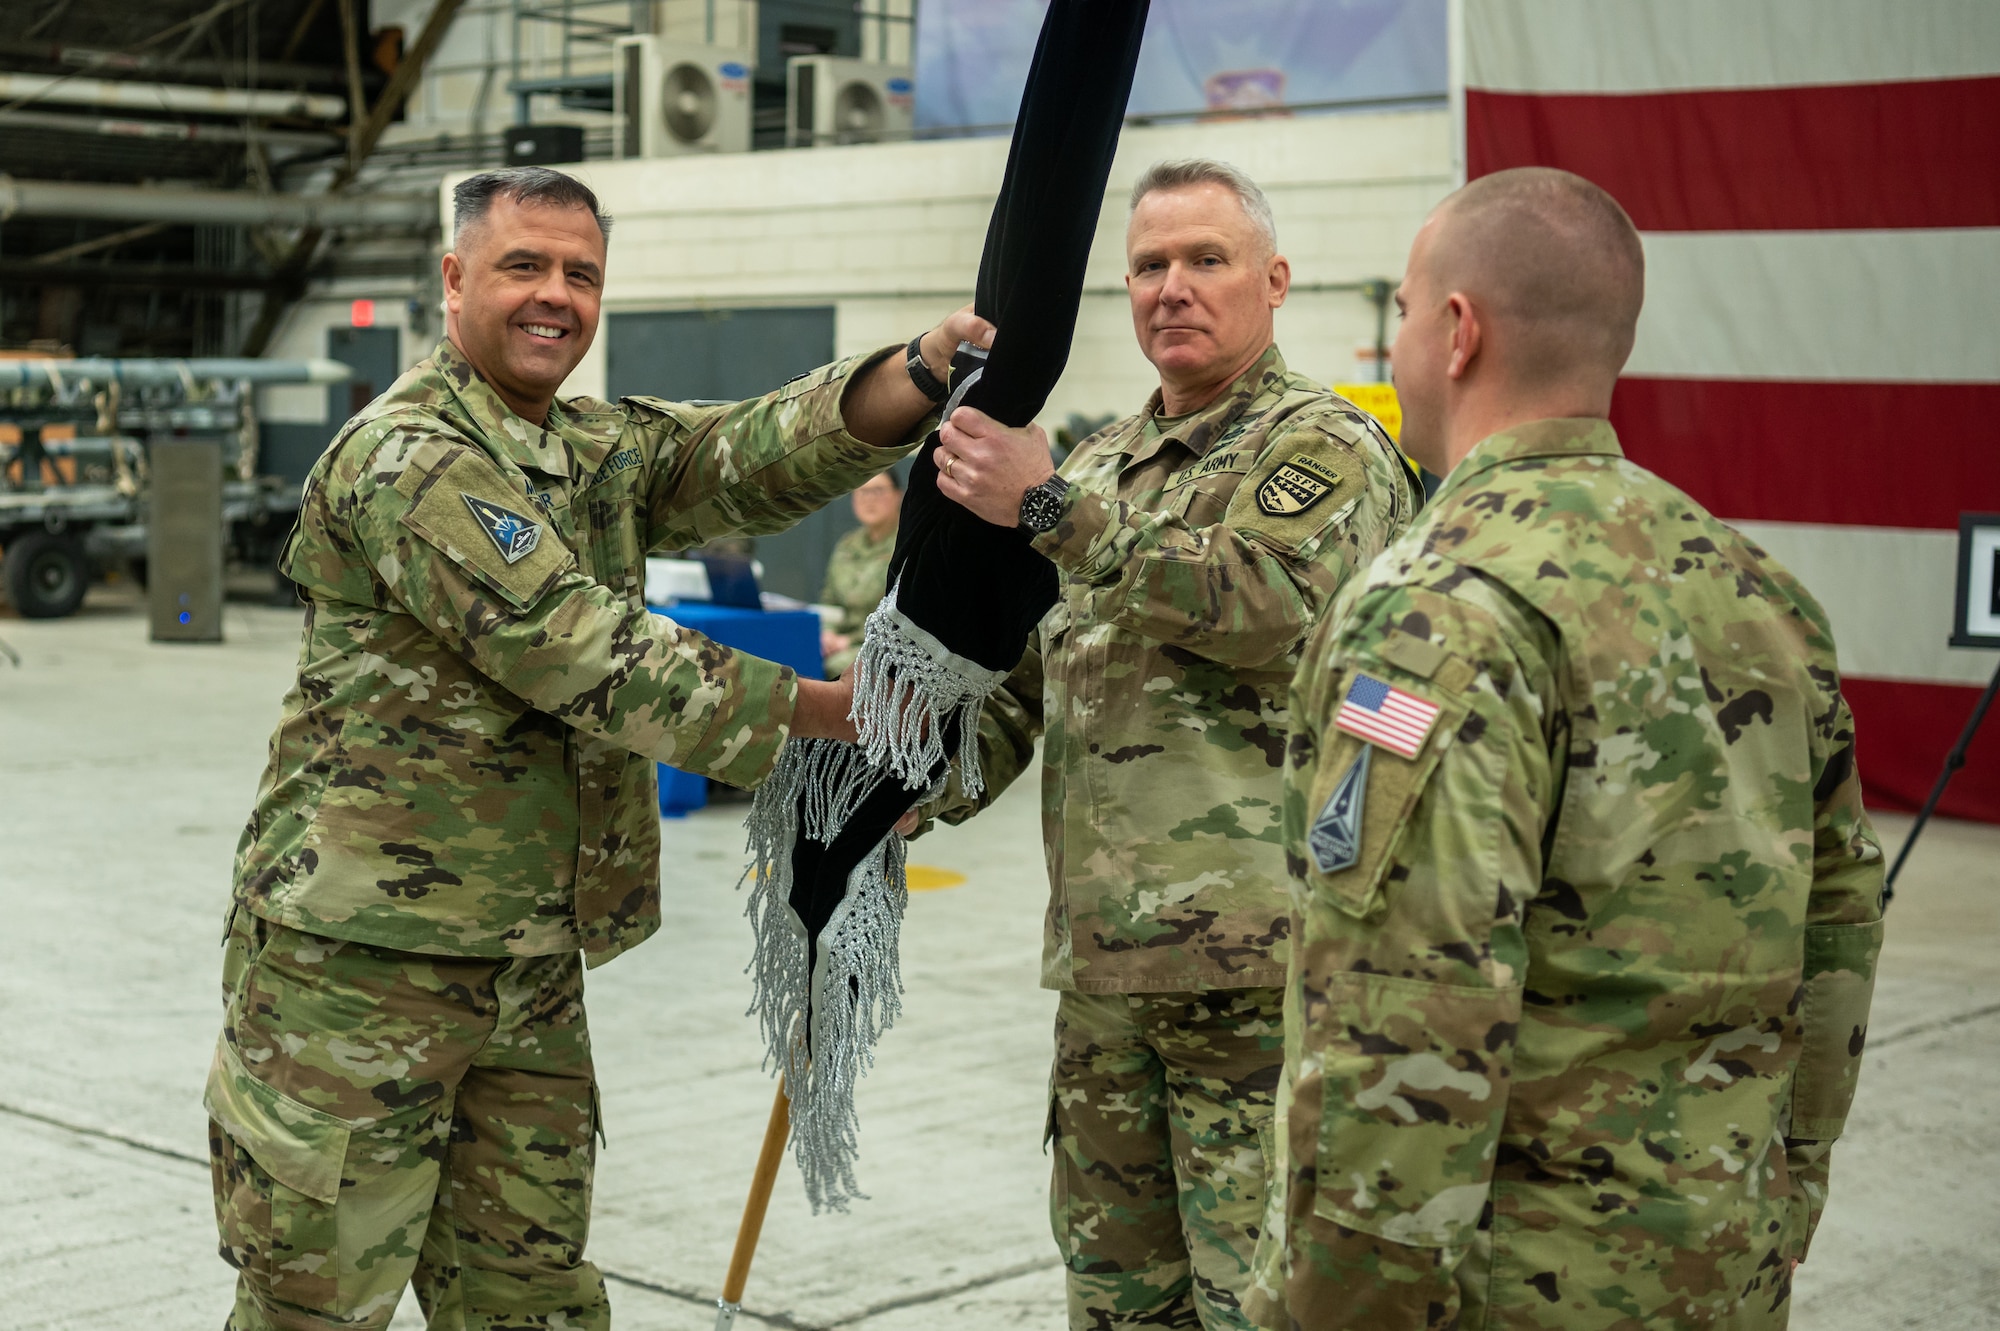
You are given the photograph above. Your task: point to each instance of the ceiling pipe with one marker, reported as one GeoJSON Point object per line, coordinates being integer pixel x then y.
{"type": "Point", "coordinates": [63, 90]}
{"type": "Point", "coordinates": [96, 370]}
{"type": "Point", "coordinates": [124, 63]}
{"type": "Point", "coordinates": [144, 203]}
{"type": "Point", "coordinates": [180, 131]}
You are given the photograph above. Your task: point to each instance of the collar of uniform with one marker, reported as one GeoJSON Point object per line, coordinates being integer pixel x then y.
{"type": "Point", "coordinates": [497, 425]}
{"type": "Point", "coordinates": [1570, 436]}
{"type": "Point", "coordinates": [1199, 429]}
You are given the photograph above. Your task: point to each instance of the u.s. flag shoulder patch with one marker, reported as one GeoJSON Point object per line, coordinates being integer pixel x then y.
{"type": "Point", "coordinates": [1385, 715]}
{"type": "Point", "coordinates": [516, 536]}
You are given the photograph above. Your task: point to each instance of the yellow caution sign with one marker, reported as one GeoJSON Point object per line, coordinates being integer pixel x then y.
{"type": "Point", "coordinates": [1379, 401]}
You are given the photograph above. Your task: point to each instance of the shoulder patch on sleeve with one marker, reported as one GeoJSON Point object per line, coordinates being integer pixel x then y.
{"type": "Point", "coordinates": [466, 512]}
{"type": "Point", "coordinates": [1305, 482]}
{"type": "Point", "coordinates": [1298, 483]}
{"type": "Point", "coordinates": [1373, 770]}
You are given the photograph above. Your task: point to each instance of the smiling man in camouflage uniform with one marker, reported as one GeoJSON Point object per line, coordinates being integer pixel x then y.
{"type": "Point", "coordinates": [1587, 906]}
{"type": "Point", "coordinates": [460, 808]}
{"type": "Point", "coordinates": [1197, 542]}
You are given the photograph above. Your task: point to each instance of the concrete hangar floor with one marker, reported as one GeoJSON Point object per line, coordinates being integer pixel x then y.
{"type": "Point", "coordinates": [126, 770]}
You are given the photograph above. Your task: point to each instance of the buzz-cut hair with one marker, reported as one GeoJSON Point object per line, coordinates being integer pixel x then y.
{"type": "Point", "coordinates": [473, 197]}
{"type": "Point", "coordinates": [1187, 172]}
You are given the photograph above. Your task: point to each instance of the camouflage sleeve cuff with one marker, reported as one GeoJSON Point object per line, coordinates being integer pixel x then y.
{"type": "Point", "coordinates": [1075, 544]}
{"type": "Point", "coordinates": [740, 745]}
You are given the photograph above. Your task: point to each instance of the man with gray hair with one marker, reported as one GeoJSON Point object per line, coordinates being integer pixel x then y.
{"type": "Point", "coordinates": [1197, 542]}
{"type": "Point", "coordinates": [460, 812]}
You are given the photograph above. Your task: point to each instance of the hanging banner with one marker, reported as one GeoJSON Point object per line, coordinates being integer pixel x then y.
{"type": "Point", "coordinates": [1199, 57]}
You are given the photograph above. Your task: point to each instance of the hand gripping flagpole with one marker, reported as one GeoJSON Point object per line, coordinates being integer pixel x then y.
{"type": "Point", "coordinates": [768, 1159]}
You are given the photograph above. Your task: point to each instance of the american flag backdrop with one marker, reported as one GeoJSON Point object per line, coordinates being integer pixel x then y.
{"type": "Point", "coordinates": [1818, 185]}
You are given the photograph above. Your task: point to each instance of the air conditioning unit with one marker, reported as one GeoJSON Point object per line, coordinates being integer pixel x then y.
{"type": "Point", "coordinates": [832, 99]}
{"type": "Point", "coordinates": [670, 99]}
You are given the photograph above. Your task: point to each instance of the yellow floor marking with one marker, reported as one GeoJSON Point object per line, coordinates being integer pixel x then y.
{"type": "Point", "coordinates": [929, 878]}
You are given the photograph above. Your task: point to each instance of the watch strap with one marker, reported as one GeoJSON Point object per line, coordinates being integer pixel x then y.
{"type": "Point", "coordinates": [1041, 506]}
{"type": "Point", "coordinates": [920, 373]}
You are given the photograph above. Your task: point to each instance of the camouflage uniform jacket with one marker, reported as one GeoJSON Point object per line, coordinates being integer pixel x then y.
{"type": "Point", "coordinates": [466, 763]}
{"type": "Point", "coordinates": [1579, 990]}
{"type": "Point", "coordinates": [1193, 562]}
{"type": "Point", "coordinates": [857, 575]}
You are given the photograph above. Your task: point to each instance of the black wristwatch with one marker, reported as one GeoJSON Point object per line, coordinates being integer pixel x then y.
{"type": "Point", "coordinates": [1042, 506]}
{"type": "Point", "coordinates": [920, 373]}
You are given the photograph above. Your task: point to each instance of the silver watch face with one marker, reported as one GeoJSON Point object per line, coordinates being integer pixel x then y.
{"type": "Point", "coordinates": [1041, 507]}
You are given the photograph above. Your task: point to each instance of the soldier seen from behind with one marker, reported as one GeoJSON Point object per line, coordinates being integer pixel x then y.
{"type": "Point", "coordinates": [460, 809]}
{"type": "Point", "coordinates": [1586, 907]}
{"type": "Point", "coordinates": [1197, 541]}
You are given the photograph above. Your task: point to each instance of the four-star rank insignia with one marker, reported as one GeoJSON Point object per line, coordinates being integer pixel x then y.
{"type": "Point", "coordinates": [1335, 837]}
{"type": "Point", "coordinates": [516, 536]}
{"type": "Point", "coordinates": [1299, 482]}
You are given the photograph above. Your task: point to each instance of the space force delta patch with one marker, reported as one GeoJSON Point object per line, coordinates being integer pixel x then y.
{"type": "Point", "coordinates": [516, 536]}
{"type": "Point", "coordinates": [1335, 837]}
{"type": "Point", "coordinates": [1299, 482]}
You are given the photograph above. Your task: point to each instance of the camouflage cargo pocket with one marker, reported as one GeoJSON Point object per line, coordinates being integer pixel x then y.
{"type": "Point", "coordinates": [1839, 987]}
{"type": "Point", "coordinates": [1409, 1115]}
{"type": "Point", "coordinates": [277, 1170]}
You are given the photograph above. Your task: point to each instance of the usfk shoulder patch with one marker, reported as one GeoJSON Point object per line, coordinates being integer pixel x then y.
{"type": "Point", "coordinates": [1383, 714]}
{"type": "Point", "coordinates": [1335, 837]}
{"type": "Point", "coordinates": [516, 536]}
{"type": "Point", "coordinates": [1299, 482]}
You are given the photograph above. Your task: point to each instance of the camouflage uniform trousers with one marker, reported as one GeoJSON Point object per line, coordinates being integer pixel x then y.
{"type": "Point", "coordinates": [380, 1116]}
{"type": "Point", "coordinates": [1161, 1114]}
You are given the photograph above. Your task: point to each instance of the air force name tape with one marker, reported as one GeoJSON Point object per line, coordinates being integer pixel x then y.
{"type": "Point", "coordinates": [1335, 837]}
{"type": "Point", "coordinates": [1383, 714]}
{"type": "Point", "coordinates": [516, 536]}
{"type": "Point", "coordinates": [1299, 482]}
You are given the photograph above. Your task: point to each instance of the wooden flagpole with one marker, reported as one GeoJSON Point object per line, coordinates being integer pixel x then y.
{"type": "Point", "coordinates": [776, 1132]}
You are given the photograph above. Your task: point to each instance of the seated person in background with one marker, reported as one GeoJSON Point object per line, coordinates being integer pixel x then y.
{"type": "Point", "coordinates": [858, 574]}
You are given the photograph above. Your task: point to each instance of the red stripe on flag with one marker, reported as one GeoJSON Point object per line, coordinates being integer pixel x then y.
{"type": "Point", "coordinates": [1846, 156]}
{"type": "Point", "coordinates": [1903, 732]}
{"type": "Point", "coordinates": [1852, 454]}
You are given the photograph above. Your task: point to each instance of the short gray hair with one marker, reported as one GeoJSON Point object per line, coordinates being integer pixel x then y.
{"type": "Point", "coordinates": [472, 197]}
{"type": "Point", "coordinates": [1186, 172]}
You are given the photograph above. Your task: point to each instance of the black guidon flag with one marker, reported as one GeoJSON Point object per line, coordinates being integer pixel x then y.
{"type": "Point", "coordinates": [826, 867]}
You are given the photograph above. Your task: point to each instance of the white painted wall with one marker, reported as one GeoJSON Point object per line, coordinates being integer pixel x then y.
{"type": "Point", "coordinates": [890, 235]}
{"type": "Point", "coordinates": [303, 335]}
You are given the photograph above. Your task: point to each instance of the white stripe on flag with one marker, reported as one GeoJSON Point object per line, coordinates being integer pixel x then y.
{"type": "Point", "coordinates": [1912, 306]}
{"type": "Point", "coordinates": [1401, 723]}
{"type": "Point", "coordinates": [1667, 45]}
{"type": "Point", "coordinates": [1887, 591]}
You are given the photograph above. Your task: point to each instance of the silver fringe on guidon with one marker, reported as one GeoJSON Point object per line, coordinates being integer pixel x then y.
{"type": "Point", "coordinates": [821, 1023]}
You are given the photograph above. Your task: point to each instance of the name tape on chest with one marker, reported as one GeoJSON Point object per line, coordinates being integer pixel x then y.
{"type": "Point", "coordinates": [516, 536]}
{"type": "Point", "coordinates": [623, 460]}
{"type": "Point", "coordinates": [1299, 482]}
{"type": "Point", "coordinates": [1213, 464]}
{"type": "Point", "coordinates": [1383, 714]}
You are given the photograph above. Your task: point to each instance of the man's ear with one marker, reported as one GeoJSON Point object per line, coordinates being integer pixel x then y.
{"type": "Point", "coordinates": [454, 280]}
{"type": "Point", "coordinates": [1467, 335]}
{"type": "Point", "coordinates": [1278, 280]}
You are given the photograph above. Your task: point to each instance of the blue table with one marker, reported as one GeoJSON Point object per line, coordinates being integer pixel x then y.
{"type": "Point", "coordinates": [789, 637]}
